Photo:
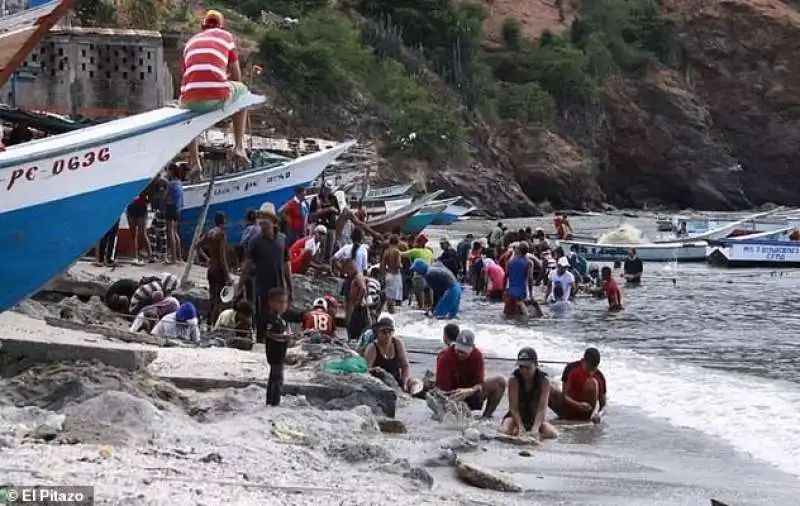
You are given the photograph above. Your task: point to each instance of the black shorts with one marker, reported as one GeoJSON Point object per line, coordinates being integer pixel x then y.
{"type": "Point", "coordinates": [171, 213]}
{"type": "Point", "coordinates": [136, 211]}
{"type": "Point", "coordinates": [276, 351]}
{"type": "Point", "coordinates": [359, 322]}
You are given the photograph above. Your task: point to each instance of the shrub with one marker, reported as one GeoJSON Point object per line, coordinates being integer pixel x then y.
{"type": "Point", "coordinates": [512, 34]}
{"type": "Point", "coordinates": [527, 102]}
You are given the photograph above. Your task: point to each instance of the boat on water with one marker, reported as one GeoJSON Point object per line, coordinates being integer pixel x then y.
{"type": "Point", "coordinates": [766, 249]}
{"type": "Point", "coordinates": [424, 217]}
{"type": "Point", "coordinates": [649, 252]}
{"type": "Point", "coordinates": [62, 193]}
{"type": "Point", "coordinates": [664, 224]}
{"type": "Point", "coordinates": [453, 212]}
{"type": "Point", "coordinates": [756, 223]}
{"type": "Point", "coordinates": [395, 221]}
{"type": "Point", "coordinates": [739, 227]}
{"type": "Point", "coordinates": [235, 194]}
{"type": "Point", "coordinates": [375, 208]}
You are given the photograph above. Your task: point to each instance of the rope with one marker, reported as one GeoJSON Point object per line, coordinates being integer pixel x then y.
{"type": "Point", "coordinates": [505, 359]}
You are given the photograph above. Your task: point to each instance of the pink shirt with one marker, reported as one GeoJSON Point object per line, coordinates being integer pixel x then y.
{"type": "Point", "coordinates": [496, 276]}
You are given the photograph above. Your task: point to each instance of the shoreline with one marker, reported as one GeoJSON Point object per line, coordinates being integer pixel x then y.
{"type": "Point", "coordinates": [629, 459]}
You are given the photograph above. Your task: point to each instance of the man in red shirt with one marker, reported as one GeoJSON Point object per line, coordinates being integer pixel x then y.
{"type": "Point", "coordinates": [584, 394]}
{"type": "Point", "coordinates": [611, 289]}
{"type": "Point", "coordinates": [460, 375]}
{"type": "Point", "coordinates": [306, 252]}
{"type": "Point", "coordinates": [318, 319]}
{"type": "Point", "coordinates": [294, 214]}
{"type": "Point", "coordinates": [211, 78]}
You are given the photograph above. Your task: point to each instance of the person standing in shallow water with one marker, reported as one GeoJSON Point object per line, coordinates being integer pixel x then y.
{"type": "Point", "coordinates": [528, 396]}
{"type": "Point", "coordinates": [633, 268]}
{"type": "Point", "coordinates": [218, 273]}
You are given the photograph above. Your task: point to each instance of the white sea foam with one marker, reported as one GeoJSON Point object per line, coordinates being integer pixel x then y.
{"type": "Point", "coordinates": [754, 415]}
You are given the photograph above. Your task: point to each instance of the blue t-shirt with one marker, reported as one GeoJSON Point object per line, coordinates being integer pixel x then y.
{"type": "Point", "coordinates": [175, 189]}
{"type": "Point", "coordinates": [440, 278]}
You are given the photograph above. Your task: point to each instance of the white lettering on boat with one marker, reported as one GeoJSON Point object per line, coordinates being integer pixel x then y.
{"type": "Point", "coordinates": [57, 166]}
{"type": "Point", "coordinates": [775, 252]}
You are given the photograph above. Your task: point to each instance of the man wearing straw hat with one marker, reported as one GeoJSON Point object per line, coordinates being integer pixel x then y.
{"type": "Point", "coordinates": [211, 78]}
{"type": "Point", "coordinates": [266, 260]}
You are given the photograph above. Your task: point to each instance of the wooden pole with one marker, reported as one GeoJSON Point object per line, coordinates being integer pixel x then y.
{"type": "Point", "coordinates": [198, 231]}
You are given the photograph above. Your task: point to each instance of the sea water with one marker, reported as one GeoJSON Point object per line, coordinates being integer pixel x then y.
{"type": "Point", "coordinates": [708, 349]}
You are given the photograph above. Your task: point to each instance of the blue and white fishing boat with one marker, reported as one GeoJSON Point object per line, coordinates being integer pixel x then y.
{"type": "Point", "coordinates": [62, 193]}
{"type": "Point", "coordinates": [424, 217]}
{"type": "Point", "coordinates": [235, 194]}
{"type": "Point", "coordinates": [767, 249]}
{"type": "Point", "coordinates": [453, 212]}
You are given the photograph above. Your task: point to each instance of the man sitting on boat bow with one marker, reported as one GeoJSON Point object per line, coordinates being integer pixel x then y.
{"type": "Point", "coordinates": [212, 78]}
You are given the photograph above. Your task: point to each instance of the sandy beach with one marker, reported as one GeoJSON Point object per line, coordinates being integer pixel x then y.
{"type": "Point", "coordinates": [140, 440]}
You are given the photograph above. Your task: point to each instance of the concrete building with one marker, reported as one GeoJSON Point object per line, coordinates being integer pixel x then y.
{"type": "Point", "coordinates": [93, 72]}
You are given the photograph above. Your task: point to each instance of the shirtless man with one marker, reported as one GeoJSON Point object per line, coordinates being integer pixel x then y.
{"type": "Point", "coordinates": [218, 274]}
{"type": "Point", "coordinates": [392, 265]}
{"type": "Point", "coordinates": [584, 394]}
{"type": "Point", "coordinates": [359, 320]}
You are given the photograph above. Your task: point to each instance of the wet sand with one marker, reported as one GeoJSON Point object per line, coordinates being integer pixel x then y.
{"type": "Point", "coordinates": [629, 459]}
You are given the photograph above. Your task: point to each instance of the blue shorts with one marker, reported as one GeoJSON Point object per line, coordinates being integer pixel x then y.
{"type": "Point", "coordinates": [449, 304]}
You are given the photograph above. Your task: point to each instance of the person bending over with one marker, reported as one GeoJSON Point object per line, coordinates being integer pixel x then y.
{"type": "Point", "coordinates": [460, 376]}
{"type": "Point", "coordinates": [584, 394]}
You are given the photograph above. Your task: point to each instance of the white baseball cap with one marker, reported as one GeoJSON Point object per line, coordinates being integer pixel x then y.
{"type": "Point", "coordinates": [563, 262]}
{"type": "Point", "coordinates": [320, 229]}
{"type": "Point", "coordinates": [320, 303]}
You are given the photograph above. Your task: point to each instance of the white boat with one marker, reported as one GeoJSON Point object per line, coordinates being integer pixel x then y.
{"type": "Point", "coordinates": [649, 252]}
{"type": "Point", "coordinates": [761, 222]}
{"type": "Point", "coordinates": [387, 192]}
{"type": "Point", "coordinates": [235, 194]}
{"type": "Point", "coordinates": [742, 226]}
{"type": "Point", "coordinates": [768, 249]}
{"type": "Point", "coordinates": [62, 193]}
{"type": "Point", "coordinates": [664, 224]}
{"type": "Point", "coordinates": [377, 208]}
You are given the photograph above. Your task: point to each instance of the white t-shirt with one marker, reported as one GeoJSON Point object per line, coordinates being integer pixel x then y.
{"type": "Point", "coordinates": [168, 327]}
{"type": "Point", "coordinates": [346, 252]}
{"type": "Point", "coordinates": [567, 281]}
{"type": "Point", "coordinates": [311, 245]}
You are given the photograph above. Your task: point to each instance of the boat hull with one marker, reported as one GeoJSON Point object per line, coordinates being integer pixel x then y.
{"type": "Point", "coordinates": [417, 223]}
{"type": "Point", "coordinates": [444, 218]}
{"type": "Point", "coordinates": [451, 214]}
{"type": "Point", "coordinates": [64, 192]}
{"type": "Point", "coordinates": [669, 252]}
{"type": "Point", "coordinates": [236, 194]}
{"type": "Point", "coordinates": [754, 254]}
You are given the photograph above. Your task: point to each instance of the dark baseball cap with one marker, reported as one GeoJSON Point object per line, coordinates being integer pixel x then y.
{"type": "Point", "coordinates": [527, 356]}
{"type": "Point", "coordinates": [465, 341]}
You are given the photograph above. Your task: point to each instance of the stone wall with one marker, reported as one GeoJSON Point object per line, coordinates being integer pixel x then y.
{"type": "Point", "coordinates": [93, 72]}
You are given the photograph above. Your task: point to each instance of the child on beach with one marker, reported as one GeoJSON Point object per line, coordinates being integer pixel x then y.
{"type": "Point", "coordinates": [277, 338]}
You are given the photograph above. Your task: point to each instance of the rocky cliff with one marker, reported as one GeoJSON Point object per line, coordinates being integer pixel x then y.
{"type": "Point", "coordinates": [716, 129]}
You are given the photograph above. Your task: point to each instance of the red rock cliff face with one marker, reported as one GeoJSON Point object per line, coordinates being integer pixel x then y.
{"type": "Point", "coordinates": [744, 61]}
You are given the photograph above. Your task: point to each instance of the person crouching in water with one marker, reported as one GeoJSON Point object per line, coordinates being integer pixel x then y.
{"type": "Point", "coordinates": [493, 279]}
{"type": "Point", "coordinates": [388, 352]}
{"type": "Point", "coordinates": [584, 394]}
{"type": "Point", "coordinates": [442, 281]}
{"type": "Point", "coordinates": [528, 396]}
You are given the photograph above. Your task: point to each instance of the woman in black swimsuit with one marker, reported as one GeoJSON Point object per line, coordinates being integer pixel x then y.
{"type": "Point", "coordinates": [388, 352]}
{"type": "Point", "coordinates": [528, 393]}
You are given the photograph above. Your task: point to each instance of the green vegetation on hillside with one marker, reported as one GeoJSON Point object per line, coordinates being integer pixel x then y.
{"type": "Point", "coordinates": [423, 67]}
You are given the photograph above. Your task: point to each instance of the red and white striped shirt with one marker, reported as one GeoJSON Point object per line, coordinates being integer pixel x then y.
{"type": "Point", "coordinates": [205, 65]}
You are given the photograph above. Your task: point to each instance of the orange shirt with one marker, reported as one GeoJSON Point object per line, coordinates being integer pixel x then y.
{"type": "Point", "coordinates": [205, 65]}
